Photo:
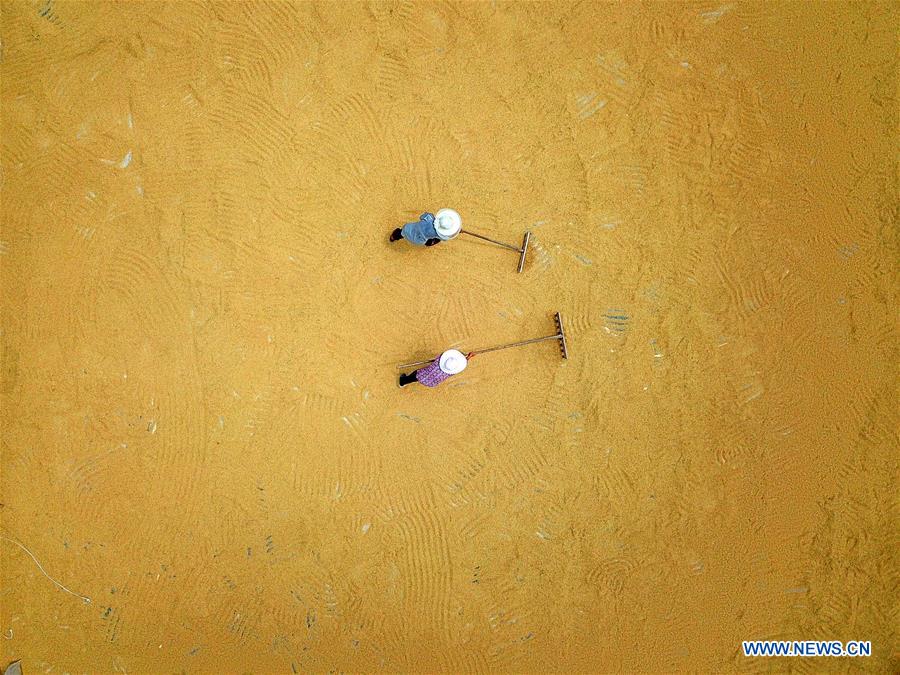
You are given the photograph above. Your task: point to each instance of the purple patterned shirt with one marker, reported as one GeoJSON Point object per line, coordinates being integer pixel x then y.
{"type": "Point", "coordinates": [431, 375]}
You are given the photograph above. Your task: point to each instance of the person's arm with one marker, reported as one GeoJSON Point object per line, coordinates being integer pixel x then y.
{"type": "Point", "coordinates": [427, 217]}
{"type": "Point", "coordinates": [470, 356]}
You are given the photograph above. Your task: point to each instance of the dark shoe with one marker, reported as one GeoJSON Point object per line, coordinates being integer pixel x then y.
{"type": "Point", "coordinates": [397, 235]}
{"type": "Point", "coordinates": [407, 379]}
{"type": "Point", "coordinates": [432, 242]}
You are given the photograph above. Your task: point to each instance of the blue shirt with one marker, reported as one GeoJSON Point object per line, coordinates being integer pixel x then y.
{"type": "Point", "coordinates": [419, 232]}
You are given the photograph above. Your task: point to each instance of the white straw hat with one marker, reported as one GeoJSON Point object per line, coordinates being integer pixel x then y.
{"type": "Point", "coordinates": [453, 362]}
{"type": "Point", "coordinates": [447, 223]}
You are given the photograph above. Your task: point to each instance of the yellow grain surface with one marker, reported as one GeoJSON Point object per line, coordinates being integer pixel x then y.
{"type": "Point", "coordinates": [201, 318]}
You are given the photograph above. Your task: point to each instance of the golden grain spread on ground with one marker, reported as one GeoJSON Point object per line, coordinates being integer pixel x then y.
{"type": "Point", "coordinates": [202, 430]}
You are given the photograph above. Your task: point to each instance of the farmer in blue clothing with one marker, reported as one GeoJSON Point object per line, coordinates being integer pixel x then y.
{"type": "Point", "coordinates": [430, 229]}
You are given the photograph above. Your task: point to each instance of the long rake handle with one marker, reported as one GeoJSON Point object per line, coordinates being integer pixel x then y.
{"type": "Point", "coordinates": [493, 241]}
{"type": "Point", "coordinates": [517, 344]}
{"type": "Point", "coordinates": [490, 349]}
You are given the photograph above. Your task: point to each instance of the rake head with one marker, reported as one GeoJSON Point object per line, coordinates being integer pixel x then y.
{"type": "Point", "coordinates": [563, 349]}
{"type": "Point", "coordinates": [524, 252]}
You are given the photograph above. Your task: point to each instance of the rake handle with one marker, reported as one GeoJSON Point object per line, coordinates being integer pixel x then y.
{"type": "Point", "coordinates": [403, 366]}
{"type": "Point", "coordinates": [516, 344]}
{"type": "Point", "coordinates": [493, 241]}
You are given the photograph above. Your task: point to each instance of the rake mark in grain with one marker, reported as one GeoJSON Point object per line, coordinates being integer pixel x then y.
{"type": "Point", "coordinates": [391, 73]}
{"type": "Point", "coordinates": [111, 616]}
{"type": "Point", "coordinates": [616, 321]}
{"type": "Point", "coordinates": [588, 104]}
{"type": "Point", "coordinates": [426, 562]}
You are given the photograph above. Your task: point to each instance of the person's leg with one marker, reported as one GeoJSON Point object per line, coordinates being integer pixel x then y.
{"type": "Point", "coordinates": [408, 379]}
{"type": "Point", "coordinates": [397, 235]}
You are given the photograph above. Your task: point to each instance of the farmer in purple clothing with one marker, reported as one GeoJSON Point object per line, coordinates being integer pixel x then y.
{"type": "Point", "coordinates": [430, 229]}
{"type": "Point", "coordinates": [451, 362]}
